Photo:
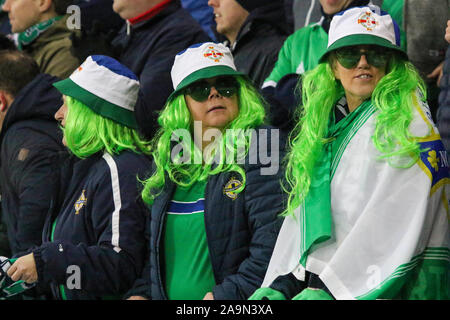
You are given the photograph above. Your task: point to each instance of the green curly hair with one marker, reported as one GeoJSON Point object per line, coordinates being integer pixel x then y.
{"type": "Point", "coordinates": [175, 117]}
{"type": "Point", "coordinates": [392, 99]}
{"type": "Point", "coordinates": [87, 133]}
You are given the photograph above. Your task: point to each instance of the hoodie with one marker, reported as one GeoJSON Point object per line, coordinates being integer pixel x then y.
{"type": "Point", "coordinates": [30, 141]}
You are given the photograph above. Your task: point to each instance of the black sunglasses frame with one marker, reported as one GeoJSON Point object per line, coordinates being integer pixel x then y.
{"type": "Point", "coordinates": [200, 90]}
{"type": "Point", "coordinates": [350, 57]}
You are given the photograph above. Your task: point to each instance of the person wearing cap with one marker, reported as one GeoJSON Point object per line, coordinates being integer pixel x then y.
{"type": "Point", "coordinates": [367, 214]}
{"type": "Point", "coordinates": [299, 53]}
{"type": "Point", "coordinates": [255, 31]}
{"type": "Point", "coordinates": [213, 223]}
{"type": "Point", "coordinates": [94, 246]}
{"type": "Point", "coordinates": [155, 31]}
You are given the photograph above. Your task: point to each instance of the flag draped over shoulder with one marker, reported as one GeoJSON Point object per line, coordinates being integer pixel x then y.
{"type": "Point", "coordinates": [390, 226]}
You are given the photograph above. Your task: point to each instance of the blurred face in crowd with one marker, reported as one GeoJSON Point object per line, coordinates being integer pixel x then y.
{"type": "Point", "coordinates": [229, 16]}
{"type": "Point", "coordinates": [128, 9]}
{"type": "Point", "coordinates": [359, 69]}
{"type": "Point", "coordinates": [334, 6]}
{"type": "Point", "coordinates": [60, 116]}
{"type": "Point", "coordinates": [22, 14]}
{"type": "Point", "coordinates": [213, 101]}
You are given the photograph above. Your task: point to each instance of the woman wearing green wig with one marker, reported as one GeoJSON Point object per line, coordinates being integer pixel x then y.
{"type": "Point", "coordinates": [95, 246]}
{"type": "Point", "coordinates": [367, 214]}
{"type": "Point", "coordinates": [215, 193]}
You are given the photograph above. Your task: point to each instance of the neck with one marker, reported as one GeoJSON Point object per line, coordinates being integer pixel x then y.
{"type": "Point", "coordinates": [47, 16]}
{"type": "Point", "coordinates": [353, 102]}
{"type": "Point", "coordinates": [150, 12]}
{"type": "Point", "coordinates": [232, 37]}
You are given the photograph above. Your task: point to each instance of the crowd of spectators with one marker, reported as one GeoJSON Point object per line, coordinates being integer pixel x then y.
{"type": "Point", "coordinates": [91, 93]}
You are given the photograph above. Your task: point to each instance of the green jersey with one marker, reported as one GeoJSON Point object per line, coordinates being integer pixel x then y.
{"type": "Point", "coordinates": [300, 52]}
{"type": "Point", "coordinates": [188, 269]}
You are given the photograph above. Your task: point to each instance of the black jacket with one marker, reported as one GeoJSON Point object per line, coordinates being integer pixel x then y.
{"type": "Point", "coordinates": [99, 229]}
{"type": "Point", "coordinates": [241, 233]}
{"type": "Point", "coordinates": [259, 40]}
{"type": "Point", "coordinates": [149, 51]}
{"type": "Point", "coordinates": [30, 140]}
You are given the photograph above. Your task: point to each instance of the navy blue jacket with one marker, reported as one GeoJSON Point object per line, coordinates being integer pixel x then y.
{"type": "Point", "coordinates": [30, 140]}
{"type": "Point", "coordinates": [241, 233]}
{"type": "Point", "coordinates": [100, 229]}
{"type": "Point", "coordinates": [149, 51]}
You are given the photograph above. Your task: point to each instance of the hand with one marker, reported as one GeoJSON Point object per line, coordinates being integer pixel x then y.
{"type": "Point", "coordinates": [267, 293]}
{"type": "Point", "coordinates": [437, 73]}
{"type": "Point", "coordinates": [208, 296]}
{"type": "Point", "coordinates": [447, 32]}
{"type": "Point", "coordinates": [24, 269]}
{"type": "Point", "coordinates": [137, 298]}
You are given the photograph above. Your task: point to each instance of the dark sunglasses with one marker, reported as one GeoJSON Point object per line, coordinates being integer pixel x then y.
{"type": "Point", "coordinates": [200, 90]}
{"type": "Point", "coordinates": [349, 57]}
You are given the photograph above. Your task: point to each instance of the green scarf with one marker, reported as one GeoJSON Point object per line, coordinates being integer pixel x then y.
{"type": "Point", "coordinates": [315, 214]}
{"type": "Point", "coordinates": [31, 34]}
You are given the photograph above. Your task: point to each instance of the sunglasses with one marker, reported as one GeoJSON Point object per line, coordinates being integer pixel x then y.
{"type": "Point", "coordinates": [200, 90]}
{"type": "Point", "coordinates": [349, 57]}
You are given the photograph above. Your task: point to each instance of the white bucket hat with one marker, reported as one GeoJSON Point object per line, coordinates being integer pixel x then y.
{"type": "Point", "coordinates": [107, 87]}
{"type": "Point", "coordinates": [201, 61]}
{"type": "Point", "coordinates": [363, 26]}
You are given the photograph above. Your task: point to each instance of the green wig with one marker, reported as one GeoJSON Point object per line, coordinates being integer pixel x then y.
{"type": "Point", "coordinates": [87, 133]}
{"type": "Point", "coordinates": [392, 98]}
{"type": "Point", "coordinates": [176, 116]}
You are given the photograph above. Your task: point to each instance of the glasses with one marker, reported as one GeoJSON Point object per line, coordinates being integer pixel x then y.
{"type": "Point", "coordinates": [349, 57]}
{"type": "Point", "coordinates": [200, 90]}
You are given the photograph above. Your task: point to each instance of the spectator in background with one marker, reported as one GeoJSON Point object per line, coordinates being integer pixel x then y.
{"type": "Point", "coordinates": [255, 31]}
{"type": "Point", "coordinates": [422, 24]}
{"type": "Point", "coordinates": [100, 227]}
{"type": "Point", "coordinates": [43, 33]}
{"type": "Point", "coordinates": [203, 14]}
{"type": "Point", "coordinates": [156, 31]}
{"type": "Point", "coordinates": [5, 250]}
{"type": "Point", "coordinates": [443, 114]}
{"type": "Point", "coordinates": [30, 142]}
{"type": "Point", "coordinates": [310, 11]}
{"type": "Point", "coordinates": [300, 53]}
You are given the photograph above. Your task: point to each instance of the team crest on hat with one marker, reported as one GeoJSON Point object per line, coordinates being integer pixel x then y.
{"type": "Point", "coordinates": [213, 54]}
{"type": "Point", "coordinates": [80, 202]}
{"type": "Point", "coordinates": [368, 21]}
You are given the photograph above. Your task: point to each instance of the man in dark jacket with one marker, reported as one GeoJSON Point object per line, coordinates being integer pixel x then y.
{"type": "Point", "coordinates": [155, 32]}
{"type": "Point", "coordinates": [30, 140]}
{"type": "Point", "coordinates": [42, 32]}
{"type": "Point", "coordinates": [255, 32]}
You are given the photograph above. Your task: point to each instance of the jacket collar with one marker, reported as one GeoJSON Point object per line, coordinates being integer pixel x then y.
{"type": "Point", "coordinates": [150, 13]}
{"type": "Point", "coordinates": [149, 18]}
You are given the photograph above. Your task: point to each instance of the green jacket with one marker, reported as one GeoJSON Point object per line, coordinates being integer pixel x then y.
{"type": "Point", "coordinates": [300, 52]}
{"type": "Point", "coordinates": [51, 50]}
{"type": "Point", "coordinates": [395, 9]}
